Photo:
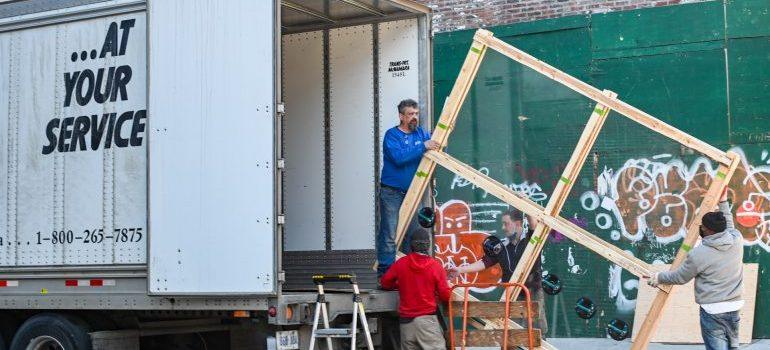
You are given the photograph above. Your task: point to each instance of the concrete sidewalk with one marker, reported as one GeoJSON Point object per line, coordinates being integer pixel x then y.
{"type": "Point", "coordinates": [599, 343]}
{"type": "Point", "coordinates": [609, 344]}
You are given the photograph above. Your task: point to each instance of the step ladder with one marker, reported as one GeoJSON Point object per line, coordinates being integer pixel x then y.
{"type": "Point", "coordinates": [504, 338]}
{"type": "Point", "coordinates": [322, 312]}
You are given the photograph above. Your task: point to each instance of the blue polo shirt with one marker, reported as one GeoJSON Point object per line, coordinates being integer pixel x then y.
{"type": "Point", "coordinates": [401, 155]}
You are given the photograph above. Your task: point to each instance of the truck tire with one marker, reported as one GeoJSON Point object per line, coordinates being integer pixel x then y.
{"type": "Point", "coordinates": [52, 331]}
{"type": "Point", "coordinates": [8, 326]}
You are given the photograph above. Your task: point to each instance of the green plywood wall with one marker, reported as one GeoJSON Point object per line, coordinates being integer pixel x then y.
{"type": "Point", "coordinates": [704, 68]}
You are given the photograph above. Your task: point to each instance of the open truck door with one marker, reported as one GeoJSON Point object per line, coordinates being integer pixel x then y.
{"type": "Point", "coordinates": [211, 154]}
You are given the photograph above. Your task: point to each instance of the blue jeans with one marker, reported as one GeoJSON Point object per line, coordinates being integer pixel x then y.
{"type": "Point", "coordinates": [390, 203]}
{"type": "Point", "coordinates": [720, 331]}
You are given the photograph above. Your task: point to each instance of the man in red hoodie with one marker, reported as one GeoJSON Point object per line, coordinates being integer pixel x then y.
{"type": "Point", "coordinates": [419, 279]}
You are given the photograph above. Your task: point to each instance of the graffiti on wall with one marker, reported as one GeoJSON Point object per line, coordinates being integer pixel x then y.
{"type": "Point", "coordinates": [487, 211]}
{"type": "Point", "coordinates": [529, 189]}
{"type": "Point", "coordinates": [656, 198]}
{"type": "Point", "coordinates": [459, 244]}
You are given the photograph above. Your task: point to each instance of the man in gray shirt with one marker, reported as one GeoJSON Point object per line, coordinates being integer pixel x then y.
{"type": "Point", "coordinates": [717, 266]}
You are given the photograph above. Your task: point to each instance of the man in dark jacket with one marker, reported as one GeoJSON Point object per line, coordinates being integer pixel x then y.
{"type": "Point", "coordinates": [420, 279]}
{"type": "Point", "coordinates": [717, 267]}
{"type": "Point", "coordinates": [507, 253]}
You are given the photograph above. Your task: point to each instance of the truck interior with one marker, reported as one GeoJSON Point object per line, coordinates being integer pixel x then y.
{"type": "Point", "coordinates": [345, 65]}
{"type": "Point", "coordinates": [305, 15]}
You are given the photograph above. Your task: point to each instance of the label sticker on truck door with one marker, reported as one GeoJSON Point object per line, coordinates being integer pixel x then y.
{"type": "Point", "coordinates": [398, 68]}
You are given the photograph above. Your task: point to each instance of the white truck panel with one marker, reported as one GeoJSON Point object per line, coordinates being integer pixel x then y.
{"type": "Point", "coordinates": [212, 180]}
{"type": "Point", "coordinates": [399, 73]}
{"type": "Point", "coordinates": [352, 130]}
{"type": "Point", "coordinates": [303, 81]}
{"type": "Point", "coordinates": [5, 142]}
{"type": "Point", "coordinates": [70, 167]}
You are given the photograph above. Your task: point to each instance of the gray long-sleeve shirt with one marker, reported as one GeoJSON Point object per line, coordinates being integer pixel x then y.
{"type": "Point", "coordinates": [716, 265]}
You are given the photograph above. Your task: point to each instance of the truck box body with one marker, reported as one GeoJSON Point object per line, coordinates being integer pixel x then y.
{"type": "Point", "coordinates": [196, 155]}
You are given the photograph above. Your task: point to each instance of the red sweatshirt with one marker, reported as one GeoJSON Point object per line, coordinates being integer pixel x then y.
{"type": "Point", "coordinates": [419, 279]}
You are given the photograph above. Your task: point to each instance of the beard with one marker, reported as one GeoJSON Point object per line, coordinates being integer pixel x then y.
{"type": "Point", "coordinates": [412, 125]}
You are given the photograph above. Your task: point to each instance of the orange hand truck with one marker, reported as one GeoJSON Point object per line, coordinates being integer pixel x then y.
{"type": "Point", "coordinates": [506, 320]}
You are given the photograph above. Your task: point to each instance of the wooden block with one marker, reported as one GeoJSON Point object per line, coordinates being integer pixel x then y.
{"type": "Point", "coordinates": [489, 324]}
{"type": "Point", "coordinates": [494, 309]}
{"type": "Point", "coordinates": [680, 321]}
{"type": "Point", "coordinates": [494, 337]}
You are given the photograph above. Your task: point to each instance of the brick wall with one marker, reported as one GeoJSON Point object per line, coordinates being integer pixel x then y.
{"type": "Point", "coordinates": [449, 15]}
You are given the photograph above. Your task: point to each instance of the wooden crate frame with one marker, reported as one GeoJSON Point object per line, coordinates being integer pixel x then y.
{"type": "Point", "coordinates": [549, 216]}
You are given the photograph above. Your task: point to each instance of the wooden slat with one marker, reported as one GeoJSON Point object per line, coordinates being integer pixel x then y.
{"type": "Point", "coordinates": [441, 132]}
{"type": "Point", "coordinates": [710, 199]}
{"type": "Point", "coordinates": [567, 228]}
{"type": "Point", "coordinates": [595, 94]}
{"type": "Point", "coordinates": [494, 337]}
{"type": "Point", "coordinates": [494, 309]}
{"type": "Point", "coordinates": [560, 193]}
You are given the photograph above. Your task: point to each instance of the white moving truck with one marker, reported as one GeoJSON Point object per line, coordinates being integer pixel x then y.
{"type": "Point", "coordinates": [172, 172]}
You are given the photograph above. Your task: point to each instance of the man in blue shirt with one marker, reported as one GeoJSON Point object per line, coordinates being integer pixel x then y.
{"type": "Point", "coordinates": [402, 149]}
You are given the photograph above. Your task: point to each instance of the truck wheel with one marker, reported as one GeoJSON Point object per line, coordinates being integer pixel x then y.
{"type": "Point", "coordinates": [52, 332]}
{"type": "Point", "coordinates": [8, 326]}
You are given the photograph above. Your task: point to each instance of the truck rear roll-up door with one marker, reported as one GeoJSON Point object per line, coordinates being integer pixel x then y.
{"type": "Point", "coordinates": [211, 147]}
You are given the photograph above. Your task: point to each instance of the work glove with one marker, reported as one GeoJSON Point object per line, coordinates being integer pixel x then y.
{"type": "Point", "coordinates": [653, 280]}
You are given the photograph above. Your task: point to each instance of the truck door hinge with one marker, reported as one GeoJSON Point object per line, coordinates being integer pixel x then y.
{"type": "Point", "coordinates": [281, 277]}
{"type": "Point", "coordinates": [281, 163]}
{"type": "Point", "coordinates": [281, 219]}
{"type": "Point", "coordinates": [280, 108]}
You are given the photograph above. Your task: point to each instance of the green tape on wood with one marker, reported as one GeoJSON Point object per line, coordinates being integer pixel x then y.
{"type": "Point", "coordinates": [564, 180]}
{"type": "Point", "coordinates": [686, 248]}
{"type": "Point", "coordinates": [721, 175]}
{"type": "Point", "coordinates": [421, 174]}
{"type": "Point", "coordinates": [599, 110]}
{"type": "Point", "coordinates": [442, 126]}
{"type": "Point", "coordinates": [475, 50]}
{"type": "Point", "coordinates": [535, 240]}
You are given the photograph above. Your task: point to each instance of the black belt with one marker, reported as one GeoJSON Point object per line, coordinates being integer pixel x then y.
{"type": "Point", "coordinates": [405, 320]}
